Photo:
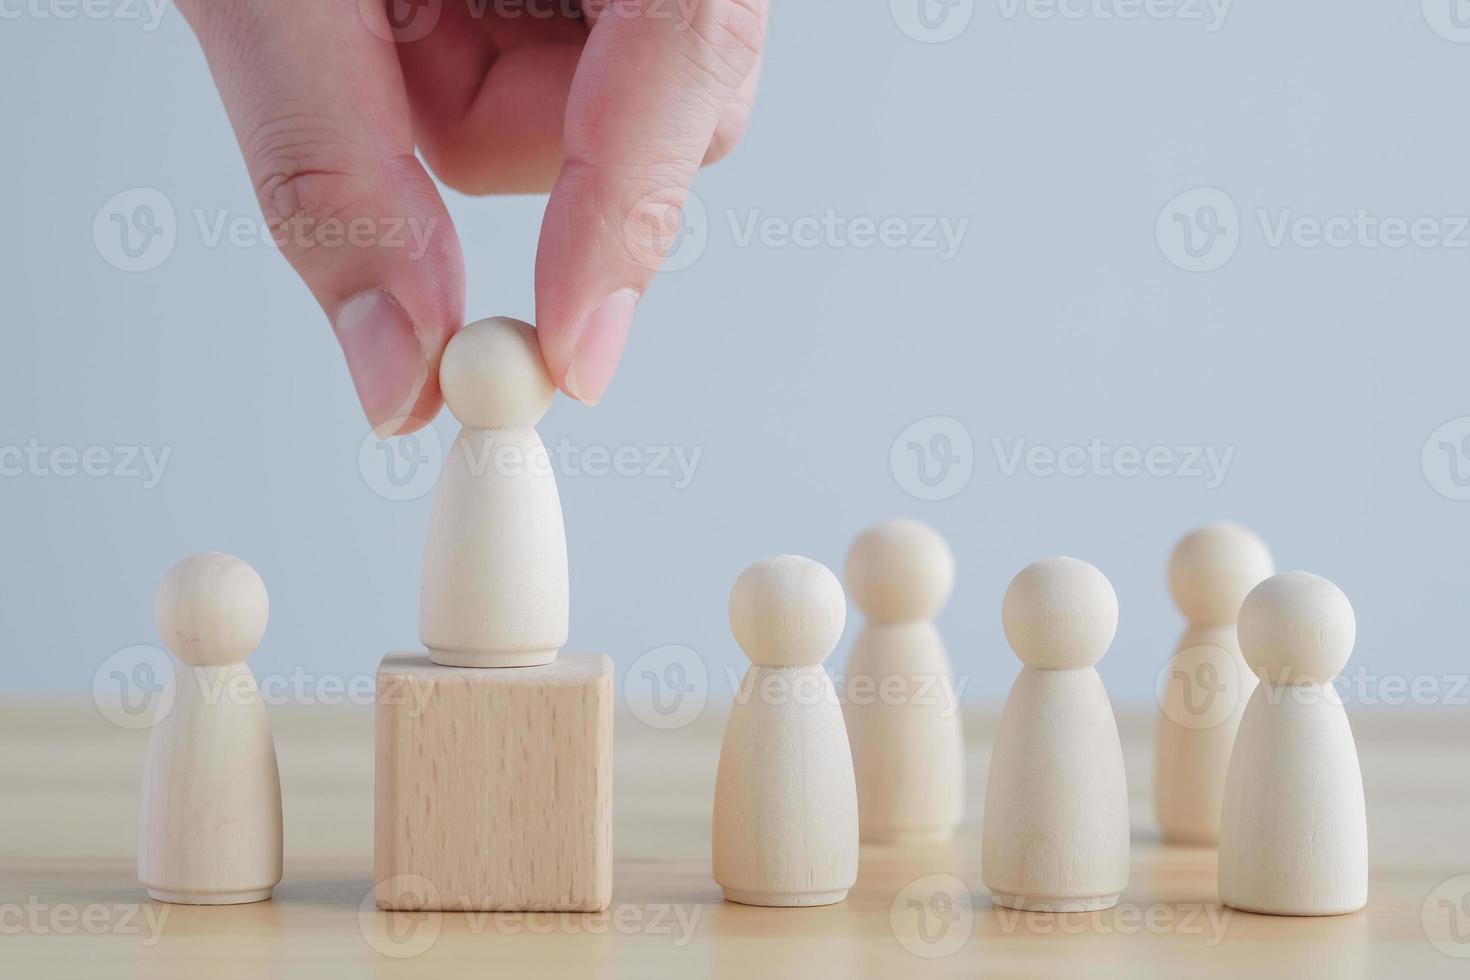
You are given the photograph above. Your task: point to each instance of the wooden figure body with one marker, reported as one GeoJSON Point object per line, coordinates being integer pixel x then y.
{"type": "Point", "coordinates": [495, 590]}
{"type": "Point", "coordinates": [785, 812]}
{"type": "Point", "coordinates": [210, 827]}
{"type": "Point", "coordinates": [1056, 805]}
{"type": "Point", "coordinates": [1294, 829]}
{"type": "Point", "coordinates": [900, 704]}
{"type": "Point", "coordinates": [1207, 683]}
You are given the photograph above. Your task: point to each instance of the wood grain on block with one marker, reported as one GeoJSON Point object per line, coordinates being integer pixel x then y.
{"type": "Point", "coordinates": [494, 787]}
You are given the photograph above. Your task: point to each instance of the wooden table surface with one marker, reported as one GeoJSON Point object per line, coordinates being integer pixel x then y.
{"type": "Point", "coordinates": [70, 905]}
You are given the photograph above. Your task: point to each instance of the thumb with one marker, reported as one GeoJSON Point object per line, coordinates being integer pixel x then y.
{"type": "Point", "coordinates": [316, 97]}
{"type": "Point", "coordinates": [648, 94]}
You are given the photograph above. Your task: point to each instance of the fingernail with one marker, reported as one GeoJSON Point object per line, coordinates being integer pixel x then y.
{"type": "Point", "coordinates": [600, 347]}
{"type": "Point", "coordinates": [386, 360]}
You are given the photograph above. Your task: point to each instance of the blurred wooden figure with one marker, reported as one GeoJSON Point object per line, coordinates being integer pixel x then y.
{"type": "Point", "coordinates": [900, 704]}
{"type": "Point", "coordinates": [1207, 683]}
{"type": "Point", "coordinates": [1294, 829]}
{"type": "Point", "coordinates": [785, 815]}
{"type": "Point", "coordinates": [1056, 807]}
{"type": "Point", "coordinates": [210, 830]}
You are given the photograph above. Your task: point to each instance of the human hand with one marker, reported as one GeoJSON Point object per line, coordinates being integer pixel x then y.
{"type": "Point", "coordinates": [612, 105]}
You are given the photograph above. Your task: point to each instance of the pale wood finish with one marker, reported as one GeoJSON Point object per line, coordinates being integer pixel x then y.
{"type": "Point", "coordinates": [1056, 807]}
{"type": "Point", "coordinates": [1211, 571]}
{"type": "Point", "coordinates": [495, 582]}
{"type": "Point", "coordinates": [209, 828]}
{"type": "Point", "coordinates": [784, 828]}
{"type": "Point", "coordinates": [1293, 828]}
{"type": "Point", "coordinates": [900, 706]}
{"type": "Point", "coordinates": [494, 787]}
{"type": "Point", "coordinates": [69, 809]}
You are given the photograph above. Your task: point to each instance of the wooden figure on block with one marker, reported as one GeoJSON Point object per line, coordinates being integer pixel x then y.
{"type": "Point", "coordinates": [210, 828]}
{"type": "Point", "coordinates": [494, 590]}
{"type": "Point", "coordinates": [901, 708]}
{"type": "Point", "coordinates": [785, 816]}
{"type": "Point", "coordinates": [1056, 807]}
{"type": "Point", "coordinates": [1207, 683]}
{"type": "Point", "coordinates": [1293, 830]}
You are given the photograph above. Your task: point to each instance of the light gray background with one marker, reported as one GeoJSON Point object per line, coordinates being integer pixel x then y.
{"type": "Point", "coordinates": [1060, 140]}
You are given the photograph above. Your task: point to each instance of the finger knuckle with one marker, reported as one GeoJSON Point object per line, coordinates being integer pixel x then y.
{"type": "Point", "coordinates": [303, 177]}
{"type": "Point", "coordinates": [732, 34]}
{"type": "Point", "coordinates": [728, 132]}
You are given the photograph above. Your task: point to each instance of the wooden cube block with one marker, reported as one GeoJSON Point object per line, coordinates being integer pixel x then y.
{"type": "Point", "coordinates": [494, 786]}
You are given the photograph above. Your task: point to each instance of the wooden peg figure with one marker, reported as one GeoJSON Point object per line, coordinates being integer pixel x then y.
{"type": "Point", "coordinates": [785, 816]}
{"type": "Point", "coordinates": [1294, 827]}
{"type": "Point", "coordinates": [1056, 807]}
{"type": "Point", "coordinates": [901, 707]}
{"type": "Point", "coordinates": [495, 590]}
{"type": "Point", "coordinates": [1208, 683]}
{"type": "Point", "coordinates": [210, 828]}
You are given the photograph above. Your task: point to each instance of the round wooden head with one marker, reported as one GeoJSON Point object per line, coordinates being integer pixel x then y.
{"type": "Point", "coordinates": [787, 612]}
{"type": "Point", "coordinates": [900, 571]}
{"type": "Point", "coordinates": [493, 377]}
{"type": "Point", "coordinates": [1060, 613]}
{"type": "Point", "coordinates": [211, 610]}
{"type": "Point", "coordinates": [1297, 628]}
{"type": "Point", "coordinates": [1213, 569]}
